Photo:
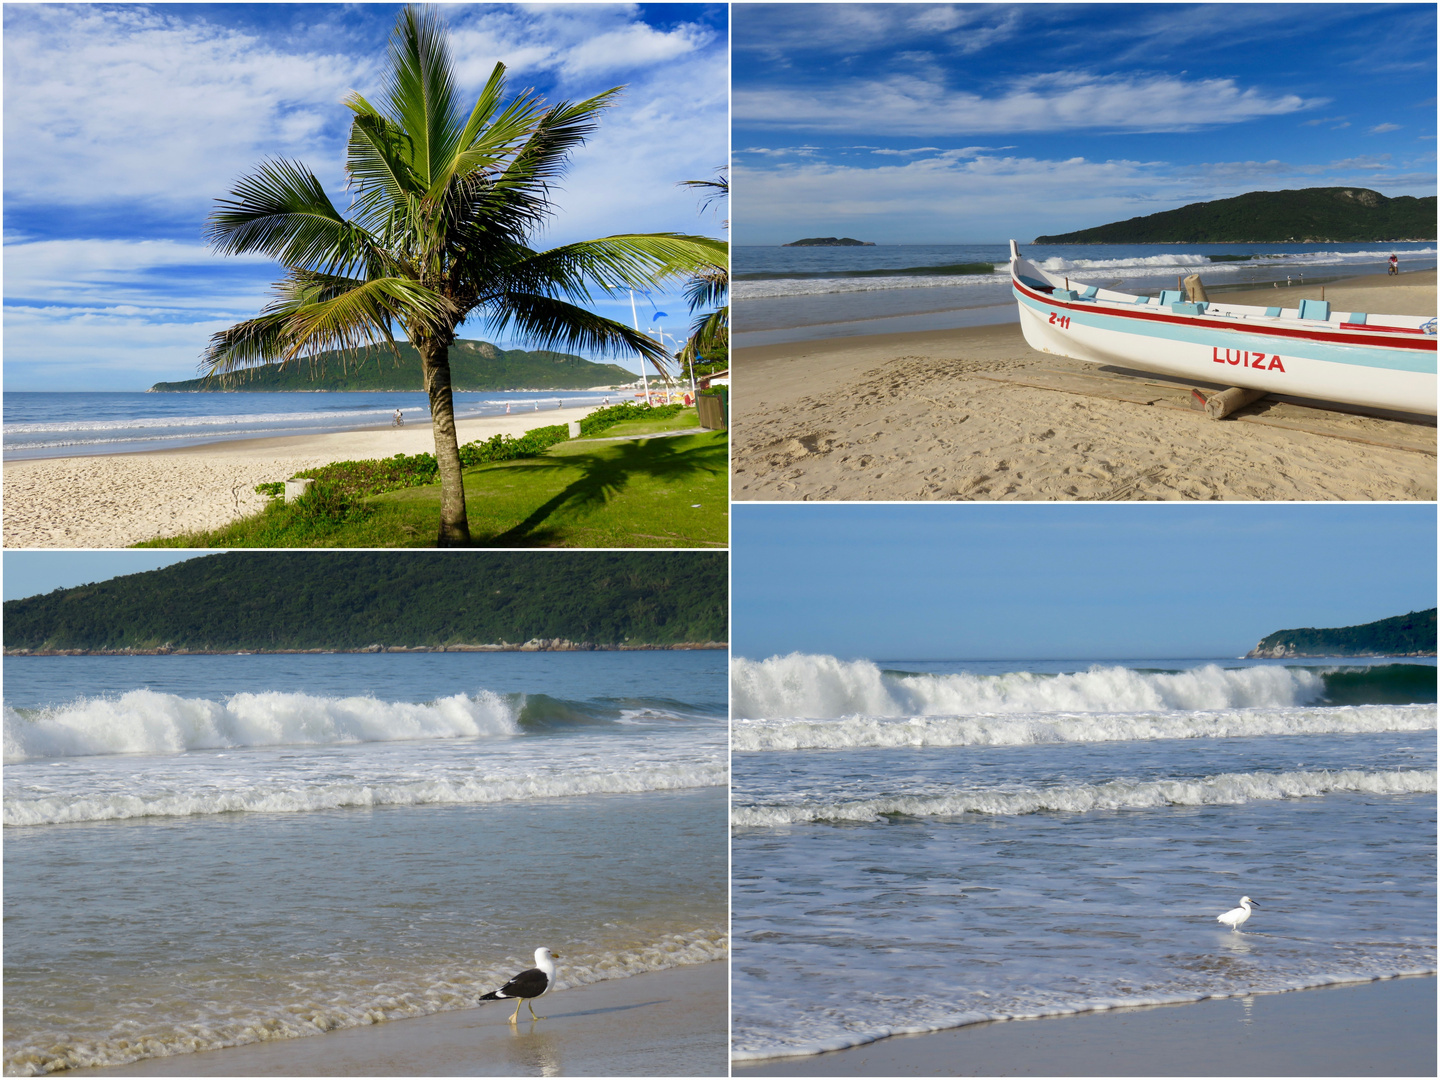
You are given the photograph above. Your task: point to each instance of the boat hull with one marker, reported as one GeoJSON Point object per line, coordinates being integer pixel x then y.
{"type": "Point", "coordinates": [1303, 362]}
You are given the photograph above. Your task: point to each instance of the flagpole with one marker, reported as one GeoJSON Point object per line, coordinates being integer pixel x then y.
{"type": "Point", "coordinates": [634, 318]}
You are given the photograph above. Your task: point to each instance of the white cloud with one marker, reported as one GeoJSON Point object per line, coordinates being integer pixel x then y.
{"type": "Point", "coordinates": [1381, 129]}
{"type": "Point", "coordinates": [574, 42]}
{"type": "Point", "coordinates": [107, 275]}
{"type": "Point", "coordinates": [1061, 101]}
{"type": "Point", "coordinates": [131, 103]}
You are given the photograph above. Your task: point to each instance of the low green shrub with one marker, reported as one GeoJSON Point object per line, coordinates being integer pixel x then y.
{"type": "Point", "coordinates": [508, 448]}
{"type": "Point", "coordinates": [356, 479]}
{"type": "Point", "coordinates": [346, 481]}
{"type": "Point", "coordinates": [601, 419]}
{"type": "Point", "coordinates": [273, 491]}
{"type": "Point", "coordinates": [329, 502]}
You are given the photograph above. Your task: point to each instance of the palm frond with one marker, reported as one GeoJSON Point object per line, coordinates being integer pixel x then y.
{"type": "Point", "coordinates": [548, 323]}
{"type": "Point", "coordinates": [358, 317]}
{"type": "Point", "coordinates": [707, 287]}
{"type": "Point", "coordinates": [377, 160]}
{"type": "Point", "coordinates": [612, 263]}
{"type": "Point", "coordinates": [421, 95]}
{"type": "Point", "coordinates": [282, 211]}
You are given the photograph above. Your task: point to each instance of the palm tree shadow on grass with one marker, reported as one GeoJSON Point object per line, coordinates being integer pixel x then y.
{"type": "Point", "coordinates": [604, 476]}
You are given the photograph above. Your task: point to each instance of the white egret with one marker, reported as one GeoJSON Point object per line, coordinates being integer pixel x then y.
{"type": "Point", "coordinates": [1235, 916]}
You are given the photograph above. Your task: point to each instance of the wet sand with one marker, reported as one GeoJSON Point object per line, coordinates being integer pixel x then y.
{"type": "Point", "coordinates": [977, 414]}
{"type": "Point", "coordinates": [665, 1023]}
{"type": "Point", "coordinates": [121, 499]}
{"type": "Point", "coordinates": [1367, 1029]}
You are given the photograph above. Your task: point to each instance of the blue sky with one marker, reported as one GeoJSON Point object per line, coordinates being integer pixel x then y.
{"type": "Point", "coordinates": [974, 582]}
{"type": "Point", "coordinates": [970, 123]}
{"type": "Point", "coordinates": [123, 124]}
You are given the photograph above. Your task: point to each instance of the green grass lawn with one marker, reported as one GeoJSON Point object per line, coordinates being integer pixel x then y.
{"type": "Point", "coordinates": [667, 492]}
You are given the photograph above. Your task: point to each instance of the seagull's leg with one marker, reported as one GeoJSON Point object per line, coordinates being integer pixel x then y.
{"type": "Point", "coordinates": [530, 1005]}
{"type": "Point", "coordinates": [516, 1018]}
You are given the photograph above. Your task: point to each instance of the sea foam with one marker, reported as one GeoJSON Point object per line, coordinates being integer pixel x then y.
{"type": "Point", "coordinates": [276, 798]}
{"type": "Point", "coordinates": [854, 732]}
{"type": "Point", "coordinates": [1223, 789]}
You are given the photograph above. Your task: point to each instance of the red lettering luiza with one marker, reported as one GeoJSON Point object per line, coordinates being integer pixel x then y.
{"type": "Point", "coordinates": [1239, 358]}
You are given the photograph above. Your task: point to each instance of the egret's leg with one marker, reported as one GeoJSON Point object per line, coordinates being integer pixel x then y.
{"type": "Point", "coordinates": [516, 1018]}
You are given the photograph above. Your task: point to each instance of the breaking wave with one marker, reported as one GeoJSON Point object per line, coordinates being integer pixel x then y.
{"type": "Point", "coordinates": [814, 687]}
{"type": "Point", "coordinates": [1221, 790]}
{"type": "Point", "coordinates": [149, 722]}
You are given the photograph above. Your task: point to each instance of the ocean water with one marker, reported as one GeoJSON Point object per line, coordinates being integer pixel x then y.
{"type": "Point", "coordinates": [44, 424]}
{"type": "Point", "coordinates": [793, 294]}
{"type": "Point", "coordinates": [213, 850]}
{"type": "Point", "coordinates": [921, 846]}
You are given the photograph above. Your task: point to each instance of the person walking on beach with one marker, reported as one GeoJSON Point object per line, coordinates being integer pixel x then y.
{"type": "Point", "coordinates": [1394, 264]}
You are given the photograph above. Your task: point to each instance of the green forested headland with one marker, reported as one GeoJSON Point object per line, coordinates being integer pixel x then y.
{"type": "Point", "coordinates": [1402, 635]}
{"type": "Point", "coordinates": [474, 365]}
{"type": "Point", "coordinates": [259, 601]}
{"type": "Point", "coordinates": [1311, 215]}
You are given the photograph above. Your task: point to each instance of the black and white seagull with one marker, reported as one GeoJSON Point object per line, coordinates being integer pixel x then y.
{"type": "Point", "coordinates": [529, 984]}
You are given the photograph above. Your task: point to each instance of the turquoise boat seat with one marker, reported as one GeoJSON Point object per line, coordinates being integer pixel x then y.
{"type": "Point", "coordinates": [1315, 309]}
{"type": "Point", "coordinates": [1089, 292]}
{"type": "Point", "coordinates": [1358, 318]}
{"type": "Point", "coordinates": [1272, 311]}
{"type": "Point", "coordinates": [1169, 296]}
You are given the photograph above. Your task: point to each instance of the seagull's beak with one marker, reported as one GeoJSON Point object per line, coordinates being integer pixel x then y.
{"type": "Point", "coordinates": [554, 956]}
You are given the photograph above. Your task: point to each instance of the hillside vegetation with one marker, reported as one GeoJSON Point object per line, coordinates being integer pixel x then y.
{"type": "Point", "coordinates": [340, 600]}
{"type": "Point", "coordinates": [1311, 215]}
{"type": "Point", "coordinates": [1402, 635]}
{"type": "Point", "coordinates": [474, 365]}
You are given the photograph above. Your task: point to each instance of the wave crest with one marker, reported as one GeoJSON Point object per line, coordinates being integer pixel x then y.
{"type": "Point", "coordinates": [802, 685]}
{"type": "Point", "coordinates": [149, 722]}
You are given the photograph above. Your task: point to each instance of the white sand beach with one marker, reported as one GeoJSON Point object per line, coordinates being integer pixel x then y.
{"type": "Point", "coordinates": [121, 499]}
{"type": "Point", "coordinates": [977, 414]}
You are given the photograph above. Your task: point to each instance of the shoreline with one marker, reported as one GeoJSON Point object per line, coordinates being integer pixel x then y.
{"type": "Point", "coordinates": [976, 414]}
{"type": "Point", "coordinates": [114, 500]}
{"type": "Point", "coordinates": [672, 1022]}
{"type": "Point", "coordinates": [684, 646]}
{"type": "Point", "coordinates": [1384, 1027]}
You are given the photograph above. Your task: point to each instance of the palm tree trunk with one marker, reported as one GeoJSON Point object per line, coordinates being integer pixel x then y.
{"type": "Point", "coordinates": [435, 358]}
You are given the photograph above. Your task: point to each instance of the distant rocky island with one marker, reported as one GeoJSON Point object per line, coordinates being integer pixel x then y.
{"type": "Point", "coordinates": [474, 365]}
{"type": "Point", "coordinates": [829, 241]}
{"type": "Point", "coordinates": [1307, 216]}
{"type": "Point", "coordinates": [1402, 635]}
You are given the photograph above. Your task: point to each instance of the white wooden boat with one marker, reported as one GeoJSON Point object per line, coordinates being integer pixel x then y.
{"type": "Point", "coordinates": [1361, 358]}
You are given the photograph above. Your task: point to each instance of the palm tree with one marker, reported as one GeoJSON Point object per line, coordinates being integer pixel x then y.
{"type": "Point", "coordinates": [708, 286]}
{"type": "Point", "coordinates": [442, 205]}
